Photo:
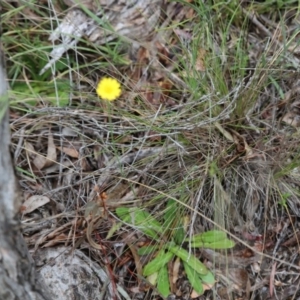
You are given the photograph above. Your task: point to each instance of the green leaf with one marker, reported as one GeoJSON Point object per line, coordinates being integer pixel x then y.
{"type": "Point", "coordinates": [147, 249]}
{"type": "Point", "coordinates": [213, 239]}
{"type": "Point", "coordinates": [208, 237]}
{"type": "Point", "coordinates": [213, 236]}
{"type": "Point", "coordinates": [179, 235]}
{"type": "Point", "coordinates": [122, 212]}
{"type": "Point", "coordinates": [158, 262]}
{"type": "Point", "coordinates": [163, 284]}
{"type": "Point", "coordinates": [56, 94]}
{"type": "Point", "coordinates": [140, 219]}
{"type": "Point", "coordinates": [225, 244]}
{"type": "Point", "coordinates": [208, 278]}
{"type": "Point", "coordinates": [189, 258]}
{"type": "Point", "coordinates": [169, 213]}
{"type": "Point", "coordinates": [193, 278]}
{"type": "Point", "coordinates": [172, 223]}
{"type": "Point", "coordinates": [145, 222]}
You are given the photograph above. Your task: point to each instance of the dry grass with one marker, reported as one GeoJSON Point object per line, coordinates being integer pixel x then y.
{"type": "Point", "coordinates": [211, 122]}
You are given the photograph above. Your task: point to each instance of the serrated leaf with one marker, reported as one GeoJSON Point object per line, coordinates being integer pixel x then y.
{"type": "Point", "coordinates": [208, 278]}
{"type": "Point", "coordinates": [189, 258]}
{"type": "Point", "coordinates": [193, 278]}
{"type": "Point", "coordinates": [163, 284]}
{"type": "Point", "coordinates": [158, 262]}
{"type": "Point", "coordinates": [147, 249]}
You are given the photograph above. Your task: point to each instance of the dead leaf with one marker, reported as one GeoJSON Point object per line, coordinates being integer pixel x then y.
{"type": "Point", "coordinates": [200, 64]}
{"type": "Point", "coordinates": [239, 278]}
{"type": "Point", "coordinates": [272, 279]}
{"type": "Point", "coordinates": [34, 202]}
{"type": "Point", "coordinates": [194, 294]}
{"type": "Point", "coordinates": [183, 34]}
{"type": "Point", "coordinates": [291, 119]}
{"type": "Point", "coordinates": [54, 168]}
{"type": "Point", "coordinates": [67, 131]}
{"type": "Point", "coordinates": [51, 153]}
{"type": "Point", "coordinates": [41, 161]}
{"type": "Point", "coordinates": [69, 151]}
{"type": "Point", "coordinates": [175, 273]}
{"type": "Point", "coordinates": [30, 149]}
{"type": "Point", "coordinates": [163, 53]}
{"type": "Point", "coordinates": [190, 14]}
{"type": "Point", "coordinates": [294, 48]}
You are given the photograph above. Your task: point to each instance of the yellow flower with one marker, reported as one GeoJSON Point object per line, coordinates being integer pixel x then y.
{"type": "Point", "coordinates": [108, 89]}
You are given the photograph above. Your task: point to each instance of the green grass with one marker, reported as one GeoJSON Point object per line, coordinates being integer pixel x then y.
{"type": "Point", "coordinates": [221, 151]}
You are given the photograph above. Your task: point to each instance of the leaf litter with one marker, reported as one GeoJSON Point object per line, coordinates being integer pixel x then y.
{"type": "Point", "coordinates": [161, 137]}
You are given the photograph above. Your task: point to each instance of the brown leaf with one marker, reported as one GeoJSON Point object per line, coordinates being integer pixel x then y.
{"type": "Point", "coordinates": [200, 64]}
{"type": "Point", "coordinates": [194, 294]}
{"type": "Point", "coordinates": [41, 161]}
{"type": "Point", "coordinates": [154, 136]}
{"type": "Point", "coordinates": [237, 280]}
{"type": "Point", "coordinates": [272, 278]}
{"type": "Point", "coordinates": [69, 132]}
{"type": "Point", "coordinates": [34, 202]}
{"type": "Point", "coordinates": [291, 119]}
{"type": "Point", "coordinates": [69, 151]}
{"type": "Point", "coordinates": [175, 272]}
{"type": "Point", "coordinates": [30, 149]}
{"type": "Point", "coordinates": [51, 153]}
